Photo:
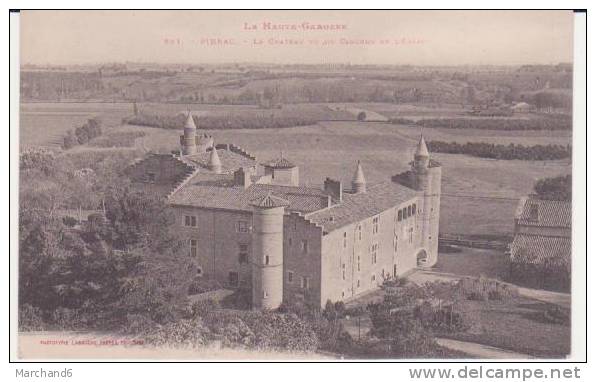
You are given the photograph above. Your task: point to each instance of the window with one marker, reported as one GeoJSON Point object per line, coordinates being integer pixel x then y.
{"type": "Point", "coordinates": [194, 247]}
{"type": "Point", "coordinates": [290, 277]}
{"type": "Point", "coordinates": [243, 253]}
{"type": "Point", "coordinates": [242, 226]}
{"type": "Point", "coordinates": [375, 229]}
{"type": "Point", "coordinates": [411, 235]}
{"type": "Point", "coordinates": [404, 213]}
{"type": "Point", "coordinates": [533, 213]}
{"type": "Point", "coordinates": [266, 261]}
{"type": "Point", "coordinates": [290, 241]}
{"type": "Point", "coordinates": [358, 265]}
{"type": "Point", "coordinates": [233, 279]}
{"type": "Point", "coordinates": [199, 271]}
{"type": "Point", "coordinates": [373, 253]}
{"type": "Point", "coordinates": [343, 294]}
{"type": "Point", "coordinates": [304, 284]}
{"type": "Point", "coordinates": [409, 211]}
{"type": "Point", "coordinates": [399, 215]}
{"type": "Point", "coordinates": [373, 278]}
{"type": "Point", "coordinates": [395, 242]}
{"type": "Point", "coordinates": [343, 271]}
{"type": "Point", "coordinates": [190, 221]}
{"type": "Point", "coordinates": [345, 239]}
{"type": "Point", "coordinates": [359, 232]}
{"type": "Point", "coordinates": [151, 177]}
{"type": "Point", "coordinates": [265, 295]}
{"type": "Point", "coordinates": [358, 284]}
{"type": "Point", "coordinates": [304, 246]}
{"type": "Point", "coordinates": [414, 209]}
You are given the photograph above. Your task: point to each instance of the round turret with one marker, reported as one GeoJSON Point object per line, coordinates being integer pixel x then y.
{"type": "Point", "coordinates": [358, 181]}
{"type": "Point", "coordinates": [267, 251]}
{"type": "Point", "coordinates": [188, 140]}
{"type": "Point", "coordinates": [421, 156]}
{"type": "Point", "coordinates": [215, 162]}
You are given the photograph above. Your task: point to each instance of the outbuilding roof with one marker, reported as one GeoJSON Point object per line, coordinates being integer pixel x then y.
{"type": "Point", "coordinates": [532, 211]}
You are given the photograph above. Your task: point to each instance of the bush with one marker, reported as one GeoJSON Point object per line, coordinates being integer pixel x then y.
{"type": "Point", "coordinates": [67, 319]}
{"type": "Point", "coordinates": [412, 340]}
{"type": "Point", "coordinates": [204, 307]}
{"type": "Point", "coordinates": [481, 289]}
{"type": "Point", "coordinates": [139, 324]}
{"type": "Point", "coordinates": [265, 120]}
{"type": "Point", "coordinates": [30, 318]}
{"type": "Point", "coordinates": [440, 319]}
{"type": "Point", "coordinates": [503, 152]}
{"type": "Point", "coordinates": [551, 122]}
{"type": "Point", "coordinates": [557, 188]}
{"type": "Point", "coordinates": [69, 221]}
{"type": "Point", "coordinates": [190, 333]}
{"type": "Point", "coordinates": [201, 285]}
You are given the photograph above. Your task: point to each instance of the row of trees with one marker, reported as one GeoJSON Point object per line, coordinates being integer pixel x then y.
{"type": "Point", "coordinates": [82, 134]}
{"type": "Point", "coordinates": [556, 188]}
{"type": "Point", "coordinates": [551, 122]}
{"type": "Point", "coordinates": [499, 151]}
{"type": "Point", "coordinates": [265, 120]}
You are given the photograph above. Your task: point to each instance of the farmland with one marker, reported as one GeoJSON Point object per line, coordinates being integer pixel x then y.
{"type": "Point", "coordinates": [479, 195]}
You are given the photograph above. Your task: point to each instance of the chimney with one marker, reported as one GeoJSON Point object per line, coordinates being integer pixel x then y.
{"type": "Point", "coordinates": [241, 178]}
{"type": "Point", "coordinates": [334, 188]}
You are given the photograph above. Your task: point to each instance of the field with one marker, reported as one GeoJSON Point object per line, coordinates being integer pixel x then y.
{"type": "Point", "coordinates": [479, 195]}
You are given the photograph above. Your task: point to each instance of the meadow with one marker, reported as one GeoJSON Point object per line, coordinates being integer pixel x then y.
{"type": "Point", "coordinates": [479, 195]}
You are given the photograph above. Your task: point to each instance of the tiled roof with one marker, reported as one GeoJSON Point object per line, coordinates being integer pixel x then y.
{"type": "Point", "coordinates": [217, 191]}
{"type": "Point", "coordinates": [535, 249]}
{"type": "Point", "coordinates": [230, 160]}
{"type": "Point", "coordinates": [356, 207]}
{"type": "Point", "coordinates": [269, 201]}
{"type": "Point", "coordinates": [359, 175]}
{"type": "Point", "coordinates": [190, 123]}
{"type": "Point", "coordinates": [421, 149]}
{"type": "Point", "coordinates": [551, 213]}
{"type": "Point", "coordinates": [280, 162]}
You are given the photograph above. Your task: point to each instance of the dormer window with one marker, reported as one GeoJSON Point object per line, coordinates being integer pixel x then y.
{"type": "Point", "coordinates": [533, 212]}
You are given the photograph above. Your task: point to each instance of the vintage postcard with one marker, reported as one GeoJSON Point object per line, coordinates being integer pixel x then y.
{"type": "Point", "coordinates": [296, 185]}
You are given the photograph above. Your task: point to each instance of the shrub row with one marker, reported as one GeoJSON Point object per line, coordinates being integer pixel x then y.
{"type": "Point", "coordinates": [553, 122]}
{"type": "Point", "coordinates": [222, 122]}
{"type": "Point", "coordinates": [499, 151]}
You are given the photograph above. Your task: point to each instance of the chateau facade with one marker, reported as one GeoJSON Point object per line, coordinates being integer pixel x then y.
{"type": "Point", "coordinates": [252, 225]}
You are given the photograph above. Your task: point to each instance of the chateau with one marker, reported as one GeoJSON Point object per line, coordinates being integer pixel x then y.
{"type": "Point", "coordinates": [252, 225]}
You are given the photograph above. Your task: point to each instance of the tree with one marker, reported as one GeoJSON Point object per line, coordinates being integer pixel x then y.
{"type": "Point", "coordinates": [557, 188]}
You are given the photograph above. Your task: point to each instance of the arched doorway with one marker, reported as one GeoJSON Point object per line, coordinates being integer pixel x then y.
{"type": "Point", "coordinates": [422, 259]}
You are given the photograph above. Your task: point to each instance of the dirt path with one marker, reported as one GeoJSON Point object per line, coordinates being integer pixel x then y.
{"type": "Point", "coordinates": [480, 351]}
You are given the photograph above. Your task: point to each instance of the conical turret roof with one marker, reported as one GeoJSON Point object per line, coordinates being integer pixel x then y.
{"type": "Point", "coordinates": [214, 161]}
{"type": "Point", "coordinates": [269, 201]}
{"type": "Point", "coordinates": [421, 149]}
{"type": "Point", "coordinates": [190, 123]}
{"type": "Point", "coordinates": [359, 175]}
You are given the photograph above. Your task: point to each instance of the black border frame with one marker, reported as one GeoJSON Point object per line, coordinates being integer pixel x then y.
{"type": "Point", "coordinates": [390, 361]}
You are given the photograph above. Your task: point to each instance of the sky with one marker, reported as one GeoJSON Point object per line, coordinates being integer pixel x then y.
{"type": "Point", "coordinates": [356, 37]}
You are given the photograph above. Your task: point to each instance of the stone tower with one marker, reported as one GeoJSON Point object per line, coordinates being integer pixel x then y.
{"type": "Point", "coordinates": [188, 140]}
{"type": "Point", "coordinates": [358, 181]}
{"type": "Point", "coordinates": [426, 178]}
{"type": "Point", "coordinates": [267, 251]}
